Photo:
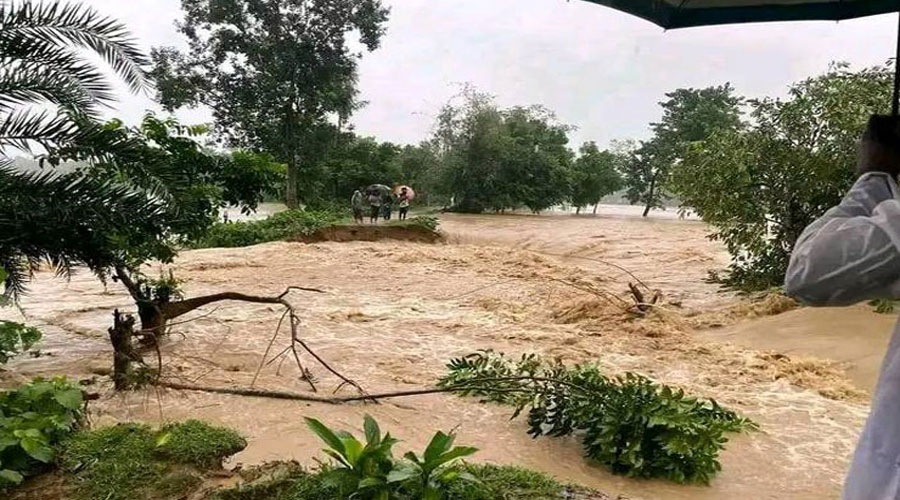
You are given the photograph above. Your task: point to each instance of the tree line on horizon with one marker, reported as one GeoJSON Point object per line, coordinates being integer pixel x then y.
{"type": "Point", "coordinates": [281, 79]}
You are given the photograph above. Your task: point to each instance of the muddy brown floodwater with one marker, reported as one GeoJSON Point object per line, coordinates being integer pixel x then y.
{"type": "Point", "coordinates": [395, 312]}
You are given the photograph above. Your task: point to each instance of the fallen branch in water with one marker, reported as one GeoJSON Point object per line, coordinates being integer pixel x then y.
{"type": "Point", "coordinates": [482, 384]}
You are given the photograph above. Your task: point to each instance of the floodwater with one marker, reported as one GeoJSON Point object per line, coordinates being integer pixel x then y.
{"type": "Point", "coordinates": [395, 312]}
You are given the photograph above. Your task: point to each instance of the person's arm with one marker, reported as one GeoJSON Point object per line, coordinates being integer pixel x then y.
{"type": "Point", "coordinates": [851, 253]}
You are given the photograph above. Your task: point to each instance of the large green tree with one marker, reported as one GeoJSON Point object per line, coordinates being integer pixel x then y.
{"type": "Point", "coordinates": [595, 174]}
{"type": "Point", "coordinates": [274, 72]}
{"type": "Point", "coordinates": [761, 186]}
{"type": "Point", "coordinates": [689, 115]}
{"type": "Point", "coordinates": [498, 159]}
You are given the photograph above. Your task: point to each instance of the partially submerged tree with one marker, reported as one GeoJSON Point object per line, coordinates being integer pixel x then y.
{"type": "Point", "coordinates": [274, 72]}
{"type": "Point", "coordinates": [689, 115]}
{"type": "Point", "coordinates": [595, 174]}
{"type": "Point", "coordinates": [760, 187]}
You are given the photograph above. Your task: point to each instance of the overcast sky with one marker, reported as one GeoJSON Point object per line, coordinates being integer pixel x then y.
{"type": "Point", "coordinates": [598, 69]}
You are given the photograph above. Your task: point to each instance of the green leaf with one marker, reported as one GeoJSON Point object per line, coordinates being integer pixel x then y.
{"type": "Point", "coordinates": [353, 449]}
{"type": "Point", "coordinates": [163, 438]}
{"type": "Point", "coordinates": [373, 433]}
{"type": "Point", "coordinates": [37, 449]}
{"type": "Point", "coordinates": [439, 444]}
{"type": "Point", "coordinates": [11, 476]}
{"type": "Point", "coordinates": [69, 398]}
{"type": "Point", "coordinates": [371, 482]}
{"type": "Point", "coordinates": [326, 434]}
{"type": "Point", "coordinates": [404, 471]}
{"type": "Point", "coordinates": [455, 453]}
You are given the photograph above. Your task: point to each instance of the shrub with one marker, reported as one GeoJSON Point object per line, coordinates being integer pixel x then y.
{"type": "Point", "coordinates": [369, 471]}
{"type": "Point", "coordinates": [279, 226]}
{"type": "Point", "coordinates": [16, 338]}
{"type": "Point", "coordinates": [428, 222]}
{"type": "Point", "coordinates": [33, 419]}
{"type": "Point", "coordinates": [629, 423]}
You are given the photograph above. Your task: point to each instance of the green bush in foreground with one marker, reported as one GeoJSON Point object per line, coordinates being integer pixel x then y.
{"type": "Point", "coordinates": [631, 424]}
{"type": "Point", "coordinates": [33, 419]}
{"type": "Point", "coordinates": [369, 471]}
{"type": "Point", "coordinates": [279, 226]}
{"type": "Point", "coordinates": [493, 482]}
{"type": "Point", "coordinates": [129, 461]}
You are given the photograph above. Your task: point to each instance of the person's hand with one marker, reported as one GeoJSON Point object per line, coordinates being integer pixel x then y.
{"type": "Point", "coordinates": [879, 149]}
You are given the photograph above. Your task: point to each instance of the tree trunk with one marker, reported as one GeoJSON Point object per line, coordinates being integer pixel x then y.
{"type": "Point", "coordinates": [595, 208]}
{"type": "Point", "coordinates": [120, 335]}
{"type": "Point", "coordinates": [650, 194]}
{"type": "Point", "coordinates": [290, 191]}
{"type": "Point", "coordinates": [577, 210]}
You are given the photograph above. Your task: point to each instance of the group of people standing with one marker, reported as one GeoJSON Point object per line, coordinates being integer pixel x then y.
{"type": "Point", "coordinates": [379, 204]}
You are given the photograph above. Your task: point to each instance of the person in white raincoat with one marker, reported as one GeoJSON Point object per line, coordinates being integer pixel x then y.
{"type": "Point", "coordinates": [850, 254]}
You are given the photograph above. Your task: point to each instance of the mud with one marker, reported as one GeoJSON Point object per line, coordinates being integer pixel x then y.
{"type": "Point", "coordinates": [396, 311]}
{"type": "Point", "coordinates": [372, 232]}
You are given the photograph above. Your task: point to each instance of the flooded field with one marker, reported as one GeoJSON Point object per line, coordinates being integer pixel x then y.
{"type": "Point", "coordinates": [395, 312]}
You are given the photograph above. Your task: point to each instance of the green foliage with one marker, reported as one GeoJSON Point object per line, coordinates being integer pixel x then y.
{"type": "Point", "coordinates": [33, 419]}
{"type": "Point", "coordinates": [48, 83]}
{"type": "Point", "coordinates": [273, 84]}
{"type": "Point", "coordinates": [595, 174]}
{"type": "Point", "coordinates": [629, 423]}
{"type": "Point", "coordinates": [689, 115]}
{"type": "Point", "coordinates": [370, 471]}
{"type": "Point", "coordinates": [279, 226]}
{"type": "Point", "coordinates": [362, 469]}
{"type": "Point", "coordinates": [883, 306]}
{"type": "Point", "coordinates": [428, 222]}
{"type": "Point", "coordinates": [429, 475]}
{"type": "Point", "coordinates": [129, 461]}
{"type": "Point", "coordinates": [498, 159]}
{"type": "Point", "coordinates": [492, 482]}
{"type": "Point", "coordinates": [760, 186]}
{"type": "Point", "coordinates": [197, 443]}
{"type": "Point", "coordinates": [16, 338]}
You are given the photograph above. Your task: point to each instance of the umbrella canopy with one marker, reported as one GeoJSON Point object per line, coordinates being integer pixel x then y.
{"type": "Point", "coordinates": [378, 188]}
{"type": "Point", "coordinates": [409, 191]}
{"type": "Point", "coordinates": [672, 14]}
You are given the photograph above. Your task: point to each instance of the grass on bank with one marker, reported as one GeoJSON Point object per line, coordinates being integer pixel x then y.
{"type": "Point", "coordinates": [133, 461]}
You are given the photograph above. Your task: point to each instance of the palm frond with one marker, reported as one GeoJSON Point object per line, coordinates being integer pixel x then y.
{"type": "Point", "coordinates": [22, 129]}
{"type": "Point", "coordinates": [68, 220]}
{"type": "Point", "coordinates": [76, 24]}
{"type": "Point", "coordinates": [34, 70]}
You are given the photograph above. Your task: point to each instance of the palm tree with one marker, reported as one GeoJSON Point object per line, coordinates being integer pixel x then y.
{"type": "Point", "coordinates": [51, 95]}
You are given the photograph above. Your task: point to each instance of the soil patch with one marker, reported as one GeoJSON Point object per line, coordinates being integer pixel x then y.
{"type": "Point", "coordinates": [358, 232]}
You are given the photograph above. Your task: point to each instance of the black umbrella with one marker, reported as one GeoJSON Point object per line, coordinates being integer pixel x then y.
{"type": "Point", "coordinates": [671, 14]}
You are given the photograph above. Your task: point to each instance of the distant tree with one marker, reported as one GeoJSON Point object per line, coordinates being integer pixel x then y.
{"type": "Point", "coordinates": [275, 72]}
{"type": "Point", "coordinates": [535, 162]}
{"type": "Point", "coordinates": [595, 174]}
{"type": "Point", "coordinates": [760, 187]}
{"type": "Point", "coordinates": [494, 159]}
{"type": "Point", "coordinates": [689, 115]}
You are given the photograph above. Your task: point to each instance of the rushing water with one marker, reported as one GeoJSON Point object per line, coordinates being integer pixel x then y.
{"type": "Point", "coordinates": [395, 312]}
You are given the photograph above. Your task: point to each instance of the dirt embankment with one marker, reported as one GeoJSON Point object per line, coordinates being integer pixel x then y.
{"type": "Point", "coordinates": [372, 232]}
